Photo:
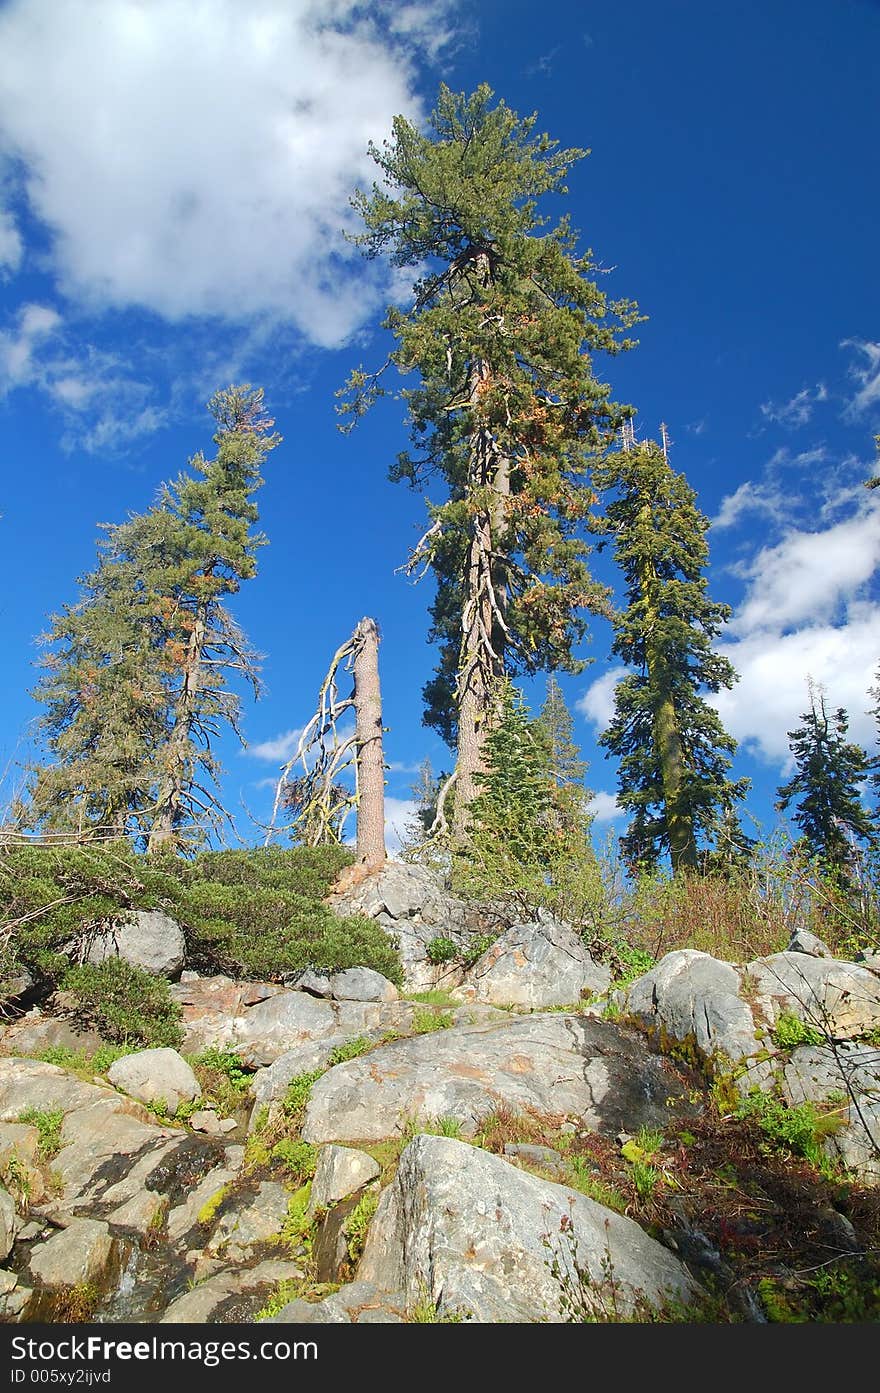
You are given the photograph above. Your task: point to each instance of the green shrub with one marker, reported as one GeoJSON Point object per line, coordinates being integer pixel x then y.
{"type": "Point", "coordinates": [125, 1004]}
{"type": "Point", "coordinates": [800, 1130]}
{"type": "Point", "coordinates": [297, 1095]}
{"type": "Point", "coordinates": [441, 950]}
{"type": "Point", "coordinates": [260, 914]}
{"type": "Point", "coordinates": [257, 912]}
{"type": "Point", "coordinates": [790, 1031]}
{"type": "Point", "coordinates": [476, 948]}
{"type": "Point", "coordinates": [298, 1157]}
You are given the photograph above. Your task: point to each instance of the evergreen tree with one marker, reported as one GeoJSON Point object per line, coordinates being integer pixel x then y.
{"type": "Point", "coordinates": [105, 710]}
{"type": "Point", "coordinates": [830, 768]}
{"type": "Point", "coordinates": [507, 412]}
{"type": "Point", "coordinates": [512, 816]}
{"type": "Point", "coordinates": [135, 682]}
{"type": "Point", "coordinates": [555, 727]}
{"type": "Point", "coordinates": [203, 526]}
{"type": "Point", "coordinates": [674, 752]}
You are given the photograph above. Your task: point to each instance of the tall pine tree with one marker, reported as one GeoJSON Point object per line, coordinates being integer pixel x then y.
{"type": "Point", "coordinates": [507, 412]}
{"type": "Point", "coordinates": [674, 752]}
{"type": "Point", "coordinates": [136, 676]}
{"type": "Point", "coordinates": [829, 769]}
{"type": "Point", "coordinates": [206, 523]}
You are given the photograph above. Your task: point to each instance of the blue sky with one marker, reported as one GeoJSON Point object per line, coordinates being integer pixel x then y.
{"type": "Point", "coordinates": [173, 189]}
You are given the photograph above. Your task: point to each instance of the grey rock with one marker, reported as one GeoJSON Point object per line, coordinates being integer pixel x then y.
{"type": "Point", "coordinates": [362, 984]}
{"type": "Point", "coordinates": [869, 960]}
{"type": "Point", "coordinates": [208, 1122]}
{"type": "Point", "coordinates": [847, 1074]}
{"type": "Point", "coordinates": [802, 941]}
{"type": "Point", "coordinates": [205, 1303]}
{"type": "Point", "coordinates": [19, 1139]}
{"type": "Point", "coordinates": [315, 983]}
{"type": "Point", "coordinates": [144, 1213]}
{"type": "Point", "coordinates": [341, 1171]}
{"type": "Point", "coordinates": [533, 965]}
{"type": "Point", "coordinates": [151, 1075]}
{"type": "Point", "coordinates": [557, 1064]}
{"type": "Point", "coordinates": [691, 997]}
{"type": "Point", "coordinates": [543, 1156]}
{"type": "Point", "coordinates": [413, 906]}
{"type": "Point", "coordinates": [839, 998]}
{"type": "Point", "coordinates": [184, 1217]}
{"type": "Point", "coordinates": [36, 1033]}
{"type": "Point", "coordinates": [302, 1312]}
{"type": "Point", "coordinates": [480, 1238]}
{"type": "Point", "coordinates": [16, 985]}
{"type": "Point", "coordinates": [15, 1299]}
{"type": "Point", "coordinates": [270, 1084]}
{"type": "Point", "coordinates": [245, 1224]}
{"type": "Point", "coordinates": [83, 1252]}
{"type": "Point", "coordinates": [291, 1019]}
{"type": "Point", "coordinates": [816, 1073]}
{"type": "Point", "coordinates": [361, 1303]}
{"type": "Point", "coordinates": [9, 1224]}
{"type": "Point", "coordinates": [147, 938]}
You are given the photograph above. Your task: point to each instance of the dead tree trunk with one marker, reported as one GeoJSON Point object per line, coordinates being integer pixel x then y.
{"type": "Point", "coordinates": [370, 761]}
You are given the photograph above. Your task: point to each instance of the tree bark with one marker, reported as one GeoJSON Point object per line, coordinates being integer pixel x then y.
{"type": "Point", "coordinates": [481, 663]}
{"type": "Point", "coordinates": [170, 796]}
{"type": "Point", "coordinates": [368, 741]}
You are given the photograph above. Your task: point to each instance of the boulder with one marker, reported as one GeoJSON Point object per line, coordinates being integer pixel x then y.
{"type": "Point", "coordinates": [357, 1303]}
{"type": "Point", "coordinates": [210, 1301]}
{"type": "Point", "coordinates": [185, 1217]}
{"type": "Point", "coordinates": [341, 1171]}
{"type": "Point", "coordinates": [847, 1078]}
{"type": "Point", "coordinates": [9, 1224]}
{"type": "Point", "coordinates": [147, 938]}
{"type": "Point", "coordinates": [262, 1031]}
{"type": "Point", "coordinates": [557, 1064]}
{"type": "Point", "coordinates": [154, 1075]}
{"type": "Point", "coordinates": [81, 1253]}
{"type": "Point", "coordinates": [413, 906]}
{"type": "Point", "coordinates": [802, 941]}
{"type": "Point", "coordinates": [693, 999]}
{"type": "Point", "coordinates": [35, 1034]}
{"type": "Point", "coordinates": [486, 1241]}
{"type": "Point", "coordinates": [362, 984]}
{"type": "Point", "coordinates": [246, 1221]}
{"type": "Point", "coordinates": [535, 965]}
{"type": "Point", "coordinates": [838, 998]}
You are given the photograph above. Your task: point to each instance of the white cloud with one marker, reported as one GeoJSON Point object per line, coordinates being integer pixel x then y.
{"type": "Point", "coordinates": [866, 374]}
{"type": "Point", "coordinates": [11, 245]}
{"type": "Point", "coordinates": [771, 694]}
{"type": "Point", "coordinates": [398, 813]}
{"type": "Point", "coordinates": [19, 346]}
{"type": "Point", "coordinates": [277, 750]}
{"type": "Point", "coordinates": [597, 702]}
{"type": "Point", "coordinates": [806, 577]}
{"type": "Point", "coordinates": [605, 808]}
{"type": "Point", "coordinates": [219, 142]}
{"type": "Point", "coordinates": [798, 410]}
{"type": "Point", "coordinates": [764, 499]}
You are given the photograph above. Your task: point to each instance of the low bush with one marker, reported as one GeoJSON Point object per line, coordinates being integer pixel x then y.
{"type": "Point", "coordinates": [125, 1004]}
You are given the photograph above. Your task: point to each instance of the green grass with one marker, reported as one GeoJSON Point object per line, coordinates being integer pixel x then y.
{"type": "Point", "coordinates": [350, 1050]}
{"type": "Point", "coordinates": [425, 1021]}
{"type": "Point", "coordinates": [48, 1124]}
{"type": "Point", "coordinates": [436, 997]}
{"type": "Point", "coordinates": [790, 1031]}
{"type": "Point", "coordinates": [801, 1130]}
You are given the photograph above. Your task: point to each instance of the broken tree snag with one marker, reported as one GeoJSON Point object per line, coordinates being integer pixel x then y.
{"type": "Point", "coordinates": [319, 802]}
{"type": "Point", "coordinates": [370, 760]}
